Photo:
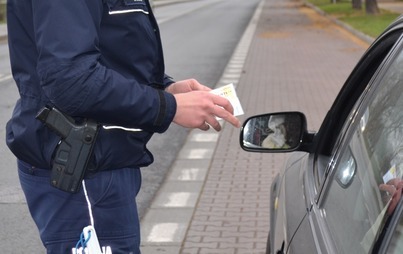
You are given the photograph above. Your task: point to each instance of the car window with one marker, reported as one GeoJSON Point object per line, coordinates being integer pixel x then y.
{"type": "Point", "coordinates": [369, 165]}
{"type": "Point", "coordinates": [330, 132]}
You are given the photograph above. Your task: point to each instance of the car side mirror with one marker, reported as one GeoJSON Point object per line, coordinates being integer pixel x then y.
{"type": "Point", "coordinates": [276, 132]}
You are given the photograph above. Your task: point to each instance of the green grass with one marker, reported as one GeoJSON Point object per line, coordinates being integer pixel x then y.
{"type": "Point", "coordinates": [372, 25]}
{"type": "Point", "coordinates": [3, 13]}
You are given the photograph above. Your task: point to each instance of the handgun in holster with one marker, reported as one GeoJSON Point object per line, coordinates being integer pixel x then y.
{"type": "Point", "coordinates": [74, 151]}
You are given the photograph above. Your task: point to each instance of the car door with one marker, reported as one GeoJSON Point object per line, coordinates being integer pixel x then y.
{"type": "Point", "coordinates": [352, 207]}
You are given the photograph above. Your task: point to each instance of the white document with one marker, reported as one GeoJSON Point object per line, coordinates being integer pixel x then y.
{"type": "Point", "coordinates": [228, 92]}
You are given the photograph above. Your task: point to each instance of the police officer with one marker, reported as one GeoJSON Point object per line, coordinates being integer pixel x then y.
{"type": "Point", "coordinates": [103, 60]}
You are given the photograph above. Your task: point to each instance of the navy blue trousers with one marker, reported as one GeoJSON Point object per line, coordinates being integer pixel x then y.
{"type": "Point", "coordinates": [61, 216]}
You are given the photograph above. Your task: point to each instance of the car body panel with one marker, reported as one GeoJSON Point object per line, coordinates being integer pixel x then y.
{"type": "Point", "coordinates": [303, 240]}
{"type": "Point", "coordinates": [293, 208]}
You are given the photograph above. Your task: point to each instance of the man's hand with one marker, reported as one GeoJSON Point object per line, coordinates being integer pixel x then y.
{"type": "Point", "coordinates": [394, 188]}
{"type": "Point", "coordinates": [198, 108]}
{"type": "Point", "coordinates": [185, 86]}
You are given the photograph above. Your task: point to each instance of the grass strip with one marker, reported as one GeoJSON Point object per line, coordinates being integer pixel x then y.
{"type": "Point", "coordinates": [372, 25]}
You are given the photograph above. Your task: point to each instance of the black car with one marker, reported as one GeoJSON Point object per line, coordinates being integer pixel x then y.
{"type": "Point", "coordinates": [340, 190]}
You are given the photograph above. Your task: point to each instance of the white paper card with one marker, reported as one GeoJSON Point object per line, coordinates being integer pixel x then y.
{"type": "Point", "coordinates": [228, 92]}
{"type": "Point", "coordinates": [391, 174]}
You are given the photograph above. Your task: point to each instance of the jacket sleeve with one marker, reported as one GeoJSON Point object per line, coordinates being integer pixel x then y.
{"type": "Point", "coordinates": [75, 81]}
{"type": "Point", "coordinates": [168, 80]}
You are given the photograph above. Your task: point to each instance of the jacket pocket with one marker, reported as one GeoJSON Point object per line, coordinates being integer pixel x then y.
{"type": "Point", "coordinates": [127, 6]}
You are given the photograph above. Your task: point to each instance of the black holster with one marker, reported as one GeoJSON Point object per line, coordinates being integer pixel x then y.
{"type": "Point", "coordinates": [75, 148]}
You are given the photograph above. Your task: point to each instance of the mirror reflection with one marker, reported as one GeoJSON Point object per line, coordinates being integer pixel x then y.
{"type": "Point", "coordinates": [346, 171]}
{"type": "Point", "coordinates": [280, 131]}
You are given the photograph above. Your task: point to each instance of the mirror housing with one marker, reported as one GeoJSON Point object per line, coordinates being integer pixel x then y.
{"type": "Point", "coordinates": [275, 132]}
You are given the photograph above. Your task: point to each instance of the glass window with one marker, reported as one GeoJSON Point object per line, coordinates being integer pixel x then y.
{"type": "Point", "coordinates": [370, 166]}
{"type": "Point", "coordinates": [396, 244]}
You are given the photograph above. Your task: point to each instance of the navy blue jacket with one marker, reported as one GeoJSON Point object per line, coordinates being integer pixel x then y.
{"type": "Point", "coordinates": [99, 59]}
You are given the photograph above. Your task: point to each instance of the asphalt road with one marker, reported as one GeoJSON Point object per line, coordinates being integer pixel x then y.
{"type": "Point", "coordinates": [198, 37]}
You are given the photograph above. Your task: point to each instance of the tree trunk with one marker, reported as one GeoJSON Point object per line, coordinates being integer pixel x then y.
{"type": "Point", "coordinates": [357, 4]}
{"type": "Point", "coordinates": [371, 7]}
